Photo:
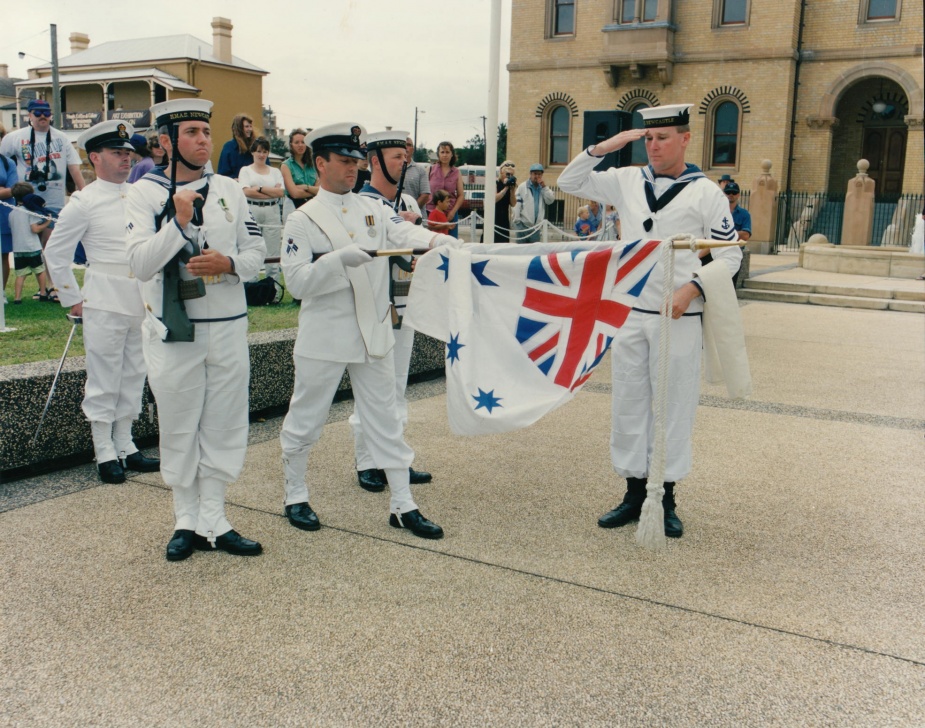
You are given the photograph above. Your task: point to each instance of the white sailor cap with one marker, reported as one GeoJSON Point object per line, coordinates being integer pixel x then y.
{"type": "Point", "coordinates": [674, 115]}
{"type": "Point", "coordinates": [173, 112]}
{"type": "Point", "coordinates": [386, 140]}
{"type": "Point", "coordinates": [113, 134]}
{"type": "Point", "coordinates": [345, 138]}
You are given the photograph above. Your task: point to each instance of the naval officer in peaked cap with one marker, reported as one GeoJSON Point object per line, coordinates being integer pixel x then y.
{"type": "Point", "coordinates": [665, 198]}
{"type": "Point", "coordinates": [192, 248]}
{"type": "Point", "coordinates": [345, 323]}
{"type": "Point", "coordinates": [110, 301]}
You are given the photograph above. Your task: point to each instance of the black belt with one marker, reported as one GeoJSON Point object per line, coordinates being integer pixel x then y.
{"type": "Point", "coordinates": [656, 313]}
{"type": "Point", "coordinates": [263, 203]}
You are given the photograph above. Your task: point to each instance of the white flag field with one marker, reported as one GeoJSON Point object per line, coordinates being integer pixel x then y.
{"type": "Point", "coordinates": [524, 325]}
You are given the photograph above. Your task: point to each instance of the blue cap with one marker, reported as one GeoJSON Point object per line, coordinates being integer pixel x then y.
{"type": "Point", "coordinates": [34, 203]}
{"type": "Point", "coordinates": [38, 104]}
{"type": "Point", "coordinates": [536, 168]}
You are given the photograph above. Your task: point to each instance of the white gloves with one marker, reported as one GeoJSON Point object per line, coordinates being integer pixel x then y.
{"type": "Point", "coordinates": [352, 256]}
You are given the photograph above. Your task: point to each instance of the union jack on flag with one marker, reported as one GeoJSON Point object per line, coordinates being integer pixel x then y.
{"type": "Point", "coordinates": [574, 301]}
{"type": "Point", "coordinates": [524, 325]}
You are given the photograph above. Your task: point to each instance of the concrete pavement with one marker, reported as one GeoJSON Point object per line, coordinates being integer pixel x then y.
{"type": "Point", "coordinates": [794, 598]}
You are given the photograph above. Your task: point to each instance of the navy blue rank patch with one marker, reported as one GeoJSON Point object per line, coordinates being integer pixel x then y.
{"type": "Point", "coordinates": [130, 226]}
{"type": "Point", "coordinates": [291, 247]}
{"type": "Point", "coordinates": [725, 223]}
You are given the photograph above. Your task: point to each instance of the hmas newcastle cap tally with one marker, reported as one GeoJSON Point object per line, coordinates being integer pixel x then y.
{"type": "Point", "coordinates": [674, 115]}
{"type": "Point", "coordinates": [386, 140]}
{"type": "Point", "coordinates": [173, 112]}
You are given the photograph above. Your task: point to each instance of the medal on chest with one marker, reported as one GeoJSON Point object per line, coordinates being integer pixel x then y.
{"type": "Point", "coordinates": [371, 226]}
{"type": "Point", "coordinates": [224, 205]}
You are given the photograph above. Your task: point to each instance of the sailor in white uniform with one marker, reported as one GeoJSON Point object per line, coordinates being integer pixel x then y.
{"type": "Point", "coordinates": [665, 198]}
{"type": "Point", "coordinates": [110, 302]}
{"type": "Point", "coordinates": [345, 323]}
{"type": "Point", "coordinates": [387, 157]}
{"type": "Point", "coordinates": [192, 256]}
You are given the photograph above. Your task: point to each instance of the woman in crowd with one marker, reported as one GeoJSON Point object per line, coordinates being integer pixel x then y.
{"type": "Point", "coordinates": [236, 152]}
{"type": "Point", "coordinates": [445, 176]}
{"type": "Point", "coordinates": [157, 151]}
{"type": "Point", "coordinates": [144, 163]}
{"type": "Point", "coordinates": [263, 188]}
{"type": "Point", "coordinates": [505, 197]}
{"type": "Point", "coordinates": [299, 171]}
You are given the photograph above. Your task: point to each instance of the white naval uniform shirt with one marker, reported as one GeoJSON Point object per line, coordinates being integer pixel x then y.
{"type": "Point", "coordinates": [228, 227]}
{"type": "Point", "coordinates": [700, 210]}
{"type": "Point", "coordinates": [328, 328]}
{"type": "Point", "coordinates": [95, 216]}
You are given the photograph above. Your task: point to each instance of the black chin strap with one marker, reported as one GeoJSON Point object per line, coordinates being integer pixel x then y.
{"type": "Point", "coordinates": [186, 164]}
{"type": "Point", "coordinates": [385, 171]}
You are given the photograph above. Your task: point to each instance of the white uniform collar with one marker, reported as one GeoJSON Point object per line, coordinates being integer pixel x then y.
{"type": "Point", "coordinates": [332, 198]}
{"type": "Point", "coordinates": [110, 186]}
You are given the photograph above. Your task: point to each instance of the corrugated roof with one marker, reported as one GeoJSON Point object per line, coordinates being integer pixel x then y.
{"type": "Point", "coordinates": [127, 75]}
{"type": "Point", "coordinates": [8, 89]}
{"type": "Point", "coordinates": [141, 50]}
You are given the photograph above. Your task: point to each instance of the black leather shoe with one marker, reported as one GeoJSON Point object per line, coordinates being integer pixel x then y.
{"type": "Point", "coordinates": [181, 545]}
{"type": "Point", "coordinates": [302, 516]}
{"type": "Point", "coordinates": [629, 510]}
{"type": "Point", "coordinates": [673, 526]}
{"type": "Point", "coordinates": [231, 542]}
{"type": "Point", "coordinates": [111, 472]}
{"type": "Point", "coordinates": [139, 463]}
{"type": "Point", "coordinates": [372, 480]}
{"type": "Point", "coordinates": [417, 524]}
{"type": "Point", "coordinates": [419, 476]}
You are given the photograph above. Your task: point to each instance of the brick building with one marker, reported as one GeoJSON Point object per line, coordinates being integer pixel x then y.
{"type": "Point", "coordinates": [850, 85]}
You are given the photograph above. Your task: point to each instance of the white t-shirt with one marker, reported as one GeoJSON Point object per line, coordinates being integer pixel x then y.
{"type": "Point", "coordinates": [24, 240]}
{"type": "Point", "coordinates": [18, 145]}
{"type": "Point", "coordinates": [247, 177]}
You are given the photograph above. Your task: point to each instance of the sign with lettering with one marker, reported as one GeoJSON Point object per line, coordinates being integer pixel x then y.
{"type": "Point", "coordinates": [139, 118]}
{"type": "Point", "coordinates": [80, 120]}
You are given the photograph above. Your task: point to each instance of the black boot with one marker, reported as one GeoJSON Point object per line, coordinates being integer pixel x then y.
{"type": "Point", "coordinates": [629, 510]}
{"type": "Point", "coordinates": [673, 526]}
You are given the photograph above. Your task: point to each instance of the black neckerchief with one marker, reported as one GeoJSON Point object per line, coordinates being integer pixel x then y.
{"type": "Point", "coordinates": [691, 173]}
{"type": "Point", "coordinates": [47, 149]}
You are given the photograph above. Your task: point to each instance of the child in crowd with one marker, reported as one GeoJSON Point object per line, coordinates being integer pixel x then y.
{"type": "Point", "coordinates": [583, 224]}
{"type": "Point", "coordinates": [437, 219]}
{"type": "Point", "coordinates": [27, 248]}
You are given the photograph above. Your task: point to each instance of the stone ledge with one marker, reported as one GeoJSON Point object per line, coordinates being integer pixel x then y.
{"type": "Point", "coordinates": [66, 434]}
{"type": "Point", "coordinates": [885, 262]}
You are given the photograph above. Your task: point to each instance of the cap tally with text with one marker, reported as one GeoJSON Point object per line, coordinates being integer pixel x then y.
{"type": "Point", "coordinates": [344, 139]}
{"type": "Point", "coordinates": [114, 134]}
{"type": "Point", "coordinates": [674, 115]}
{"type": "Point", "coordinates": [386, 140]}
{"type": "Point", "coordinates": [38, 105]}
{"type": "Point", "coordinates": [173, 112]}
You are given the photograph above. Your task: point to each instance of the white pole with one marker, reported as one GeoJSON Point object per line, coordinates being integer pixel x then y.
{"type": "Point", "coordinates": [491, 131]}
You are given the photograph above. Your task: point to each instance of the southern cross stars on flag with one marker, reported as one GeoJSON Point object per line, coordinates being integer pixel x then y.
{"type": "Point", "coordinates": [524, 325]}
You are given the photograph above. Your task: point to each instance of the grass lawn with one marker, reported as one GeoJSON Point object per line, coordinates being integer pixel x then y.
{"type": "Point", "coordinates": [42, 327]}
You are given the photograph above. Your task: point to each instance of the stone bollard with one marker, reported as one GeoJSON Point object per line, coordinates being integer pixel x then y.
{"type": "Point", "coordinates": [762, 205]}
{"type": "Point", "coordinates": [858, 221]}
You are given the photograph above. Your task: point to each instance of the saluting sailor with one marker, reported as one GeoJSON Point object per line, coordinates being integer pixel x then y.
{"type": "Point", "coordinates": [345, 322]}
{"type": "Point", "coordinates": [387, 158]}
{"type": "Point", "coordinates": [110, 302]}
{"type": "Point", "coordinates": [195, 335]}
{"type": "Point", "coordinates": [665, 198]}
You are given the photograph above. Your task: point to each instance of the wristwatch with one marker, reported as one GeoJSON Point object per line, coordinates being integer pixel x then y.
{"type": "Point", "coordinates": [260, 190]}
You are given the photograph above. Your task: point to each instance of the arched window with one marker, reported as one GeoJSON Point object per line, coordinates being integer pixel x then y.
{"type": "Point", "coordinates": [638, 153]}
{"type": "Point", "coordinates": [559, 127]}
{"type": "Point", "coordinates": [725, 134]}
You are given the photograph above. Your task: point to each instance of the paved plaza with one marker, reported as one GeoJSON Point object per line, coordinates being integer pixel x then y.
{"type": "Point", "coordinates": [795, 598]}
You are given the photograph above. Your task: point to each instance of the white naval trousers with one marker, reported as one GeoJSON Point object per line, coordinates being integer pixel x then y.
{"type": "Point", "coordinates": [634, 367]}
{"type": "Point", "coordinates": [404, 343]}
{"type": "Point", "coordinates": [115, 373]}
{"type": "Point", "coordinates": [201, 388]}
{"type": "Point", "coordinates": [373, 386]}
{"type": "Point", "coordinates": [268, 218]}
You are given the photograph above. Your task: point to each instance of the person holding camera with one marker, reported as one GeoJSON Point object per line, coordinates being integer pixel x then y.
{"type": "Point", "coordinates": [42, 154]}
{"type": "Point", "coordinates": [505, 197]}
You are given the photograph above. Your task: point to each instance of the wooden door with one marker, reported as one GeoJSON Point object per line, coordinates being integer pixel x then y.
{"type": "Point", "coordinates": [885, 149]}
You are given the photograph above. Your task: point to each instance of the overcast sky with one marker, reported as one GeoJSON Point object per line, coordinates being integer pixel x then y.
{"type": "Point", "coordinates": [329, 60]}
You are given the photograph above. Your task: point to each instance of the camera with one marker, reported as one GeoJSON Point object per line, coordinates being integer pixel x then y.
{"type": "Point", "coordinates": [38, 175]}
{"type": "Point", "coordinates": [511, 181]}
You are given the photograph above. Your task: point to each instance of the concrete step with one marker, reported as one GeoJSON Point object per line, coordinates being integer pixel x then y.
{"type": "Point", "coordinates": [828, 299]}
{"type": "Point", "coordinates": [835, 290]}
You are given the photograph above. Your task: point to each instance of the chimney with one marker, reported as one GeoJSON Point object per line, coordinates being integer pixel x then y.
{"type": "Point", "coordinates": [4, 70]}
{"type": "Point", "coordinates": [79, 42]}
{"type": "Point", "coordinates": [221, 39]}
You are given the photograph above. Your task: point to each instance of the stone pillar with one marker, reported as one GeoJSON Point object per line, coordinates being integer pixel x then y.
{"type": "Point", "coordinates": [915, 153]}
{"type": "Point", "coordinates": [762, 205]}
{"type": "Point", "coordinates": [858, 222]}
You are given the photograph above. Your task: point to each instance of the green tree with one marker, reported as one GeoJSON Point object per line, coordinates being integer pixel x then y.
{"type": "Point", "coordinates": [502, 142]}
{"type": "Point", "coordinates": [421, 154]}
{"type": "Point", "coordinates": [279, 146]}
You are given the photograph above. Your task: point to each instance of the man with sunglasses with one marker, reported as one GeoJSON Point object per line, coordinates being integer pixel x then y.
{"type": "Point", "coordinates": [42, 153]}
{"type": "Point", "coordinates": [417, 183]}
